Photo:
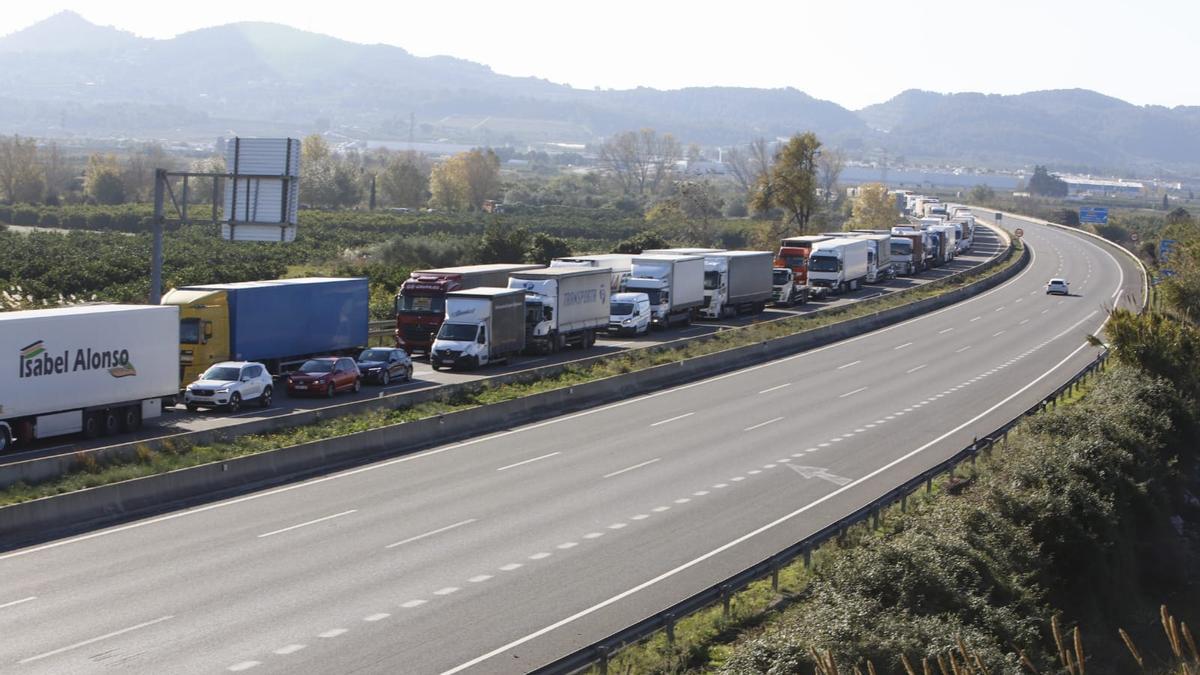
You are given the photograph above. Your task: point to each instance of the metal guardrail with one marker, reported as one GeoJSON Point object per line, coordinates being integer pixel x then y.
{"type": "Point", "coordinates": [598, 653]}
{"type": "Point", "coordinates": [381, 333]}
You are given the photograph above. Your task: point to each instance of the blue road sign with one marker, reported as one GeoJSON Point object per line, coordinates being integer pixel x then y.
{"type": "Point", "coordinates": [1094, 214]}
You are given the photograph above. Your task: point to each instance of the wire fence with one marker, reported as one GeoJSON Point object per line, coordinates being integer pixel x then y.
{"type": "Point", "coordinates": [598, 654]}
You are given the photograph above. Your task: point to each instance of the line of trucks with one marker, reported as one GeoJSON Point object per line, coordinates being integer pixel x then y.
{"type": "Point", "coordinates": [103, 369]}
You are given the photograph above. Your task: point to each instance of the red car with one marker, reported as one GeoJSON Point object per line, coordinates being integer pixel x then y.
{"type": "Point", "coordinates": [325, 376]}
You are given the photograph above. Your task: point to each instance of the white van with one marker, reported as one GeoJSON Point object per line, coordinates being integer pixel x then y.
{"type": "Point", "coordinates": [629, 313]}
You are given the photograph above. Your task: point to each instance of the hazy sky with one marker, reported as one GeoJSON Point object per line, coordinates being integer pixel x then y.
{"type": "Point", "coordinates": [853, 53]}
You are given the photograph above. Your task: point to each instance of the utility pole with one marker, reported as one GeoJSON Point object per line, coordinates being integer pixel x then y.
{"type": "Point", "coordinates": [156, 255]}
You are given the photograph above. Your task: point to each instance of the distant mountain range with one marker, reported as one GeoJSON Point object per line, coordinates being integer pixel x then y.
{"type": "Point", "coordinates": [67, 77]}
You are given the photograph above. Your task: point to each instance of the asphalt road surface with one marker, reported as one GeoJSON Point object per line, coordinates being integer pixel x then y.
{"type": "Point", "coordinates": [178, 420]}
{"type": "Point", "coordinates": [499, 554]}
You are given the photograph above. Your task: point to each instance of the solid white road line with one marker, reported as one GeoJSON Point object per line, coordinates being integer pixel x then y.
{"type": "Point", "coordinates": [913, 370]}
{"type": "Point", "coordinates": [673, 419]}
{"type": "Point", "coordinates": [631, 468]}
{"type": "Point", "coordinates": [535, 459]}
{"type": "Point", "coordinates": [311, 522]}
{"type": "Point", "coordinates": [851, 393]}
{"type": "Point", "coordinates": [769, 526]}
{"type": "Point", "coordinates": [432, 532]}
{"type": "Point", "coordinates": [762, 424]}
{"type": "Point", "coordinates": [85, 643]}
{"type": "Point", "coordinates": [767, 391]}
{"type": "Point", "coordinates": [18, 602]}
{"type": "Point", "coordinates": [847, 365]}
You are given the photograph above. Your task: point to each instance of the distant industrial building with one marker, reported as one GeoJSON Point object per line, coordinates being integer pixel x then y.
{"type": "Point", "coordinates": [1082, 186]}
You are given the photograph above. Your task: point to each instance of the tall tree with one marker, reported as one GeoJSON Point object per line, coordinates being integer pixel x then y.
{"type": "Point", "coordinates": [21, 176]}
{"type": "Point", "coordinates": [404, 180]}
{"type": "Point", "coordinates": [640, 162]}
{"type": "Point", "coordinates": [792, 184]}
{"type": "Point", "coordinates": [481, 171]}
{"type": "Point", "coordinates": [872, 209]}
{"type": "Point", "coordinates": [103, 181]}
{"type": "Point", "coordinates": [1046, 184]}
{"type": "Point", "coordinates": [60, 175]}
{"type": "Point", "coordinates": [138, 170]}
{"type": "Point", "coordinates": [738, 162]}
{"type": "Point", "coordinates": [447, 188]}
{"type": "Point", "coordinates": [761, 162]}
{"type": "Point", "coordinates": [830, 162]}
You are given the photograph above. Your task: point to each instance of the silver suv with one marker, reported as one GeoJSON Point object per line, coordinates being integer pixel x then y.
{"type": "Point", "coordinates": [229, 384]}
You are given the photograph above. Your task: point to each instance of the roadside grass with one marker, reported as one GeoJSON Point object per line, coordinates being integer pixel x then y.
{"type": "Point", "coordinates": [89, 473]}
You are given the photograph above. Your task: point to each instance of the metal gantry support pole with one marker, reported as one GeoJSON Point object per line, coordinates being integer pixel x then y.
{"type": "Point", "coordinates": [156, 255]}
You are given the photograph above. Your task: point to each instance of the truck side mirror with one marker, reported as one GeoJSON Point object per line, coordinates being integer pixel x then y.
{"type": "Point", "coordinates": [208, 330]}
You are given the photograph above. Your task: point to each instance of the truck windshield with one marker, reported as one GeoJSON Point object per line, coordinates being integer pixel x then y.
{"type": "Point", "coordinates": [459, 332]}
{"type": "Point", "coordinates": [902, 249]}
{"type": "Point", "coordinates": [189, 332]}
{"type": "Point", "coordinates": [781, 277]}
{"type": "Point", "coordinates": [222, 373]}
{"type": "Point", "coordinates": [823, 263]}
{"type": "Point", "coordinates": [712, 281]}
{"type": "Point", "coordinates": [793, 260]}
{"type": "Point", "coordinates": [420, 304]}
{"type": "Point", "coordinates": [533, 312]}
{"type": "Point", "coordinates": [620, 309]}
{"type": "Point", "coordinates": [654, 294]}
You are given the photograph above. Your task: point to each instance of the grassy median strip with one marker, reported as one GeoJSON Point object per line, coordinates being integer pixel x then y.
{"type": "Point", "coordinates": [90, 473]}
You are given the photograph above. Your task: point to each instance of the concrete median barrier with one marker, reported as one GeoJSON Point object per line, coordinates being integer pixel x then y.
{"type": "Point", "coordinates": [54, 516]}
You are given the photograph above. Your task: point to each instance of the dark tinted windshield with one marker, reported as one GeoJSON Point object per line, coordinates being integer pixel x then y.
{"type": "Point", "coordinates": [823, 263]}
{"type": "Point", "coordinates": [461, 332]}
{"type": "Point", "coordinates": [620, 308]}
{"type": "Point", "coordinates": [651, 293]}
{"type": "Point", "coordinates": [222, 373]}
{"type": "Point", "coordinates": [902, 247]}
{"type": "Point", "coordinates": [781, 277]}
{"type": "Point", "coordinates": [374, 355]}
{"type": "Point", "coordinates": [793, 261]}
{"type": "Point", "coordinates": [712, 281]}
{"type": "Point", "coordinates": [315, 366]}
{"type": "Point", "coordinates": [421, 304]}
{"type": "Point", "coordinates": [189, 332]}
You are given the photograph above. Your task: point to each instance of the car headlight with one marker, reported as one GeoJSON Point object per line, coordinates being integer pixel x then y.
{"type": "Point", "coordinates": [223, 390]}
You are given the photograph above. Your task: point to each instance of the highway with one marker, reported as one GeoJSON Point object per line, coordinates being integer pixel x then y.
{"type": "Point", "coordinates": [503, 552]}
{"type": "Point", "coordinates": [179, 420]}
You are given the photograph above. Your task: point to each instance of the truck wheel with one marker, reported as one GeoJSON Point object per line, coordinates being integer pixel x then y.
{"type": "Point", "coordinates": [91, 425]}
{"type": "Point", "coordinates": [854, 285]}
{"type": "Point", "coordinates": [264, 399]}
{"type": "Point", "coordinates": [112, 422]}
{"type": "Point", "coordinates": [131, 418]}
{"type": "Point", "coordinates": [235, 402]}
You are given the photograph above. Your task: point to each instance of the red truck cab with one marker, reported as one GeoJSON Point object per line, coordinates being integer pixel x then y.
{"type": "Point", "coordinates": [793, 254]}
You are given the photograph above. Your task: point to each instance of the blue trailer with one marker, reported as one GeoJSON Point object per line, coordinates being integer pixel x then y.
{"type": "Point", "coordinates": [279, 322]}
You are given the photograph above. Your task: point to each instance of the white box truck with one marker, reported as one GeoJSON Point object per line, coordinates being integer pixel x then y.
{"type": "Point", "coordinates": [674, 283]}
{"type": "Point", "coordinates": [879, 257]}
{"type": "Point", "coordinates": [97, 369]}
{"type": "Point", "coordinates": [483, 325]}
{"type": "Point", "coordinates": [619, 264]}
{"type": "Point", "coordinates": [563, 306]}
{"type": "Point", "coordinates": [736, 282]}
{"type": "Point", "coordinates": [838, 264]}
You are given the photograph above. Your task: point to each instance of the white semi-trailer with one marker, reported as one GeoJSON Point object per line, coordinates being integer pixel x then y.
{"type": "Point", "coordinates": [95, 369]}
{"type": "Point", "coordinates": [618, 264]}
